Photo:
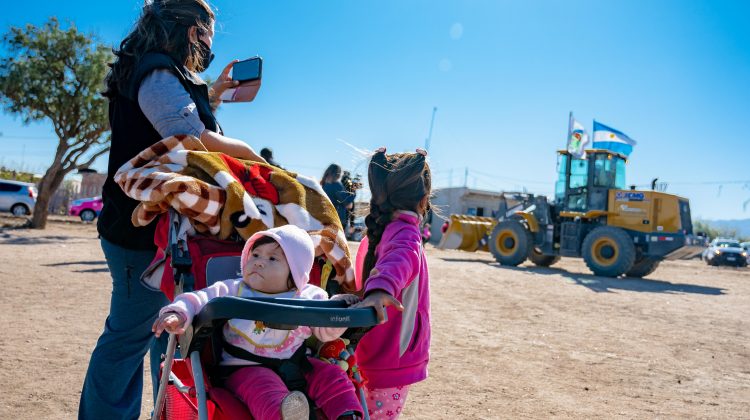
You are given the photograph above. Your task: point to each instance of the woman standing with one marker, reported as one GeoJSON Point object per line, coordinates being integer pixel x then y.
{"type": "Point", "coordinates": [342, 199]}
{"type": "Point", "coordinates": [154, 92]}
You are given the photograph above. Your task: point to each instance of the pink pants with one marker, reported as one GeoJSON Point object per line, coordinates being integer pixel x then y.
{"type": "Point", "coordinates": [262, 390]}
{"type": "Point", "coordinates": [386, 403]}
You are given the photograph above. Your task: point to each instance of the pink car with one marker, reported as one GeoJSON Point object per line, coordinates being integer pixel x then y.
{"type": "Point", "coordinates": [87, 208]}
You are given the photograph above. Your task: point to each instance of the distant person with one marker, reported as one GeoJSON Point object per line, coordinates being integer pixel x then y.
{"type": "Point", "coordinates": [393, 272]}
{"type": "Point", "coordinates": [426, 234]}
{"type": "Point", "coordinates": [267, 154]}
{"type": "Point", "coordinates": [342, 199]}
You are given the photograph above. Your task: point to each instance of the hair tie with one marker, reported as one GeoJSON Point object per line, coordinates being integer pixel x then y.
{"type": "Point", "coordinates": [380, 160]}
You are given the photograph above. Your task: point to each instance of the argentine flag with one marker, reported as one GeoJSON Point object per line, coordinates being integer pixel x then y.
{"type": "Point", "coordinates": [610, 139]}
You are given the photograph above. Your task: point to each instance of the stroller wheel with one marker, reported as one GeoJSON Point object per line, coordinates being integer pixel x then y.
{"type": "Point", "coordinates": [294, 407]}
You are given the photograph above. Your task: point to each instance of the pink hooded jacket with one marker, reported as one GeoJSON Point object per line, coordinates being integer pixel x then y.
{"type": "Point", "coordinates": [396, 353]}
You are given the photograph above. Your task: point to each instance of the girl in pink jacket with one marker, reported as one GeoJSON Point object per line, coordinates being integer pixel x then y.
{"type": "Point", "coordinates": [276, 263]}
{"type": "Point", "coordinates": [393, 270]}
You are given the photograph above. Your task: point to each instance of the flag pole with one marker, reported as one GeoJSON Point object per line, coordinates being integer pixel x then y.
{"type": "Point", "coordinates": [570, 130]}
{"type": "Point", "coordinates": [593, 127]}
{"type": "Point", "coordinates": [570, 127]}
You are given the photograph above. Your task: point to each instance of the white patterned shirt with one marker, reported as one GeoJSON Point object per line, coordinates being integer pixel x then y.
{"type": "Point", "coordinates": [254, 336]}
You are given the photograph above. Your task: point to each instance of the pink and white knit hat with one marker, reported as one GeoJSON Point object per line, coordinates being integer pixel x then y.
{"type": "Point", "coordinates": [297, 246]}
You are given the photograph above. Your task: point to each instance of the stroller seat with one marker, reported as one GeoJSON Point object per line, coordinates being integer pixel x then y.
{"type": "Point", "coordinates": [180, 400]}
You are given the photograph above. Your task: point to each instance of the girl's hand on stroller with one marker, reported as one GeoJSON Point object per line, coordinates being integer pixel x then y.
{"type": "Point", "coordinates": [348, 298]}
{"type": "Point", "coordinates": [172, 322]}
{"type": "Point", "coordinates": [379, 299]}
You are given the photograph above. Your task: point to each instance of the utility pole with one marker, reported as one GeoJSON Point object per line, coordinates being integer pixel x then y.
{"type": "Point", "coordinates": [429, 135]}
{"type": "Point", "coordinates": [466, 176]}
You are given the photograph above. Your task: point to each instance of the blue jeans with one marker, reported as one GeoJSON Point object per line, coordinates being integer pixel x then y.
{"type": "Point", "coordinates": [114, 381]}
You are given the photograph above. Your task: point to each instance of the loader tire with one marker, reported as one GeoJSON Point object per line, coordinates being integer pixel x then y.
{"type": "Point", "coordinates": [510, 242]}
{"type": "Point", "coordinates": [542, 260]}
{"type": "Point", "coordinates": [643, 267]}
{"type": "Point", "coordinates": [608, 251]}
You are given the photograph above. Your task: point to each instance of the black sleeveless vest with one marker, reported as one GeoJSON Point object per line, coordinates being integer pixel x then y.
{"type": "Point", "coordinates": [132, 133]}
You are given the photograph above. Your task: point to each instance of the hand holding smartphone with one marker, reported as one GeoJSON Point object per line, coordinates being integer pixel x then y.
{"type": "Point", "coordinates": [248, 73]}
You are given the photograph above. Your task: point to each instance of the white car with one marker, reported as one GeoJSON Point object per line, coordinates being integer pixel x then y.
{"type": "Point", "coordinates": [723, 251]}
{"type": "Point", "coordinates": [17, 197]}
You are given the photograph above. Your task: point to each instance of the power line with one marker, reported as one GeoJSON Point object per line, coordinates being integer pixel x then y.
{"type": "Point", "coordinates": [474, 172]}
{"type": "Point", "coordinates": [735, 182]}
{"type": "Point", "coordinates": [507, 178]}
{"type": "Point", "coordinates": [709, 182]}
{"type": "Point", "coordinates": [493, 177]}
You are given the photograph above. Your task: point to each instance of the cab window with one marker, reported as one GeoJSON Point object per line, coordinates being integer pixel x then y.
{"type": "Point", "coordinates": [604, 171]}
{"type": "Point", "coordinates": [562, 163]}
{"type": "Point", "coordinates": [579, 173]}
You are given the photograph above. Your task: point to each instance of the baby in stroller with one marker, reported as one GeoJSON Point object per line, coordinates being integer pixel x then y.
{"type": "Point", "coordinates": [274, 263]}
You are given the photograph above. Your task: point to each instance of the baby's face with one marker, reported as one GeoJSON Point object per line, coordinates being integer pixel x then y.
{"type": "Point", "coordinates": [266, 269]}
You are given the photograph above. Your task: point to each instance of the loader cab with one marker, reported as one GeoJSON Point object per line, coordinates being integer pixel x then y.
{"type": "Point", "coordinates": [583, 184]}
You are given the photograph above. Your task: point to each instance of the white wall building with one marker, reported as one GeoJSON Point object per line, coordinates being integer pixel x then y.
{"type": "Point", "coordinates": [461, 200]}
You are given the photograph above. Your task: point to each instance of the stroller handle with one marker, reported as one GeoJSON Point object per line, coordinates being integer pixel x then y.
{"type": "Point", "coordinates": [285, 312]}
{"type": "Point", "coordinates": [279, 314]}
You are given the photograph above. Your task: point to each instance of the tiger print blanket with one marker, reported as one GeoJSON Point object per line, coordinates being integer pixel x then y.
{"type": "Point", "coordinates": [221, 195]}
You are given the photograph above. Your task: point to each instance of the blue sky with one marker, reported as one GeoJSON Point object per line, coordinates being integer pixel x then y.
{"type": "Point", "coordinates": [673, 75]}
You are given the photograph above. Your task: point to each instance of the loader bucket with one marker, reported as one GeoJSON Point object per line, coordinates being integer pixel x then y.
{"type": "Point", "coordinates": [694, 247]}
{"type": "Point", "coordinates": [465, 233]}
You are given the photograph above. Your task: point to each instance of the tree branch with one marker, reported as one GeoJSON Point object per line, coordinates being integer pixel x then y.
{"type": "Point", "coordinates": [92, 158]}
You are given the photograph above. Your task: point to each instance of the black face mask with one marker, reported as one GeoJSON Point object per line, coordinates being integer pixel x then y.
{"type": "Point", "coordinates": [206, 56]}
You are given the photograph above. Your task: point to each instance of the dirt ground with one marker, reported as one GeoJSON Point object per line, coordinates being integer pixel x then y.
{"type": "Point", "coordinates": [521, 342]}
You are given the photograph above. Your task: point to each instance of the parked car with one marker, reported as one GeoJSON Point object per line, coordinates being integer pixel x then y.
{"type": "Point", "coordinates": [17, 197]}
{"type": "Point", "coordinates": [725, 252]}
{"type": "Point", "coordinates": [87, 208]}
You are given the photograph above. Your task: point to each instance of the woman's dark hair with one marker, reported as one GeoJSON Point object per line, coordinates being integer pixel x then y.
{"type": "Point", "coordinates": [397, 182]}
{"type": "Point", "coordinates": [269, 240]}
{"type": "Point", "coordinates": [333, 170]}
{"type": "Point", "coordinates": [163, 27]}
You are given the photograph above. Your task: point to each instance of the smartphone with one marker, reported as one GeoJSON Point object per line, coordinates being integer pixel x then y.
{"type": "Point", "coordinates": [247, 70]}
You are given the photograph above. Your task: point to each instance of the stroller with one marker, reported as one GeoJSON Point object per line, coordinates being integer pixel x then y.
{"type": "Point", "coordinates": [189, 387]}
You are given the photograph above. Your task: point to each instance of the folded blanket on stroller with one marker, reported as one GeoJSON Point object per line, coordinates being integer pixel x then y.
{"type": "Point", "coordinates": [222, 195]}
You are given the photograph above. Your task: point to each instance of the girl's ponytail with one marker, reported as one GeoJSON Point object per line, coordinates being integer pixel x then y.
{"type": "Point", "coordinates": [397, 182]}
{"type": "Point", "coordinates": [380, 210]}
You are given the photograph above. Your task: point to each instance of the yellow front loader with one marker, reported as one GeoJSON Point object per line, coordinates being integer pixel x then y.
{"type": "Point", "coordinates": [615, 230]}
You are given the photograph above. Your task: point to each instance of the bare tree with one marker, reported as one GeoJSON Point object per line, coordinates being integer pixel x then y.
{"type": "Point", "coordinates": [47, 73]}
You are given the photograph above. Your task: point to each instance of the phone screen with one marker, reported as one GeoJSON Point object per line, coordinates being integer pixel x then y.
{"type": "Point", "coordinates": [247, 70]}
